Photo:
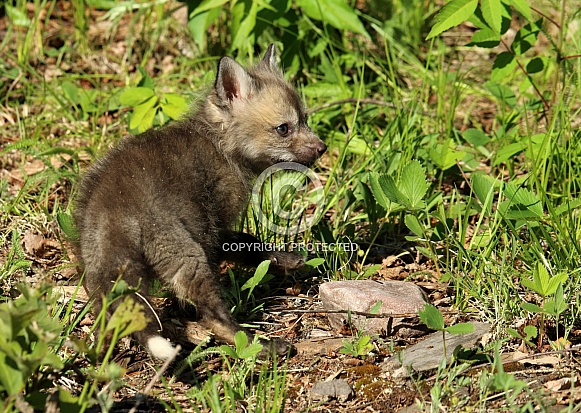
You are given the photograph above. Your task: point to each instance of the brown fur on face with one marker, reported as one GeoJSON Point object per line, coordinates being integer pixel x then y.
{"type": "Point", "coordinates": [161, 204]}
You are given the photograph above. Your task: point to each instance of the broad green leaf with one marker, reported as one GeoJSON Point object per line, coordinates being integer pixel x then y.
{"type": "Point", "coordinates": [257, 278]}
{"type": "Point", "coordinates": [376, 307]}
{"type": "Point", "coordinates": [504, 65]}
{"type": "Point", "coordinates": [475, 137]}
{"type": "Point", "coordinates": [17, 16]}
{"type": "Point", "coordinates": [315, 262]}
{"type": "Point", "coordinates": [556, 305]}
{"type": "Point", "coordinates": [531, 308]}
{"type": "Point", "coordinates": [536, 65]}
{"type": "Point", "coordinates": [250, 351]}
{"type": "Point", "coordinates": [378, 183]}
{"type": "Point", "coordinates": [173, 111]}
{"type": "Point", "coordinates": [229, 351]}
{"type": "Point", "coordinates": [207, 5]}
{"type": "Point", "coordinates": [413, 224]}
{"type": "Point", "coordinates": [135, 95]}
{"type": "Point", "coordinates": [486, 38]}
{"type": "Point", "coordinates": [413, 185]}
{"type": "Point", "coordinates": [484, 186]}
{"type": "Point", "coordinates": [71, 91]}
{"type": "Point", "coordinates": [12, 380]}
{"type": "Point", "coordinates": [503, 93]}
{"type": "Point", "coordinates": [525, 38]}
{"type": "Point", "coordinates": [460, 328]}
{"type": "Point", "coordinates": [240, 341]}
{"type": "Point", "coordinates": [243, 22]}
{"type": "Point", "coordinates": [568, 206]}
{"type": "Point", "coordinates": [127, 318]}
{"type": "Point", "coordinates": [452, 14]}
{"type": "Point", "coordinates": [445, 155]}
{"type": "Point", "coordinates": [531, 332]}
{"type": "Point", "coordinates": [335, 12]}
{"type": "Point", "coordinates": [67, 225]}
{"type": "Point", "coordinates": [492, 13]}
{"type": "Point", "coordinates": [138, 118]}
{"type": "Point", "coordinates": [521, 196]}
{"type": "Point", "coordinates": [147, 120]}
{"type": "Point", "coordinates": [432, 317]}
{"type": "Point", "coordinates": [523, 8]}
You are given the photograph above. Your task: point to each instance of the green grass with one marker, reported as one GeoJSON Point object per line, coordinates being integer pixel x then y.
{"type": "Point", "coordinates": [498, 150]}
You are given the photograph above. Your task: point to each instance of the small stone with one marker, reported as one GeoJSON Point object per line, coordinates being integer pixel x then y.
{"type": "Point", "coordinates": [337, 389]}
{"type": "Point", "coordinates": [396, 297]}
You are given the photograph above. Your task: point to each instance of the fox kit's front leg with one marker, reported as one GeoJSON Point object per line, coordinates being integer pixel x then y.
{"type": "Point", "coordinates": [247, 250]}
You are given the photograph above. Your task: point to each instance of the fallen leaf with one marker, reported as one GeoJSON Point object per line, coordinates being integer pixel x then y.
{"type": "Point", "coordinates": [560, 384]}
{"type": "Point", "coordinates": [38, 246]}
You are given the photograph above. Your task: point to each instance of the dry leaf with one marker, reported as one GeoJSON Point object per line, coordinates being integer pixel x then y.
{"type": "Point", "coordinates": [38, 246]}
{"type": "Point", "coordinates": [561, 384]}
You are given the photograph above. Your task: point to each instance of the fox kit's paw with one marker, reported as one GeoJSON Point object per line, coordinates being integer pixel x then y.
{"type": "Point", "coordinates": [286, 261]}
{"type": "Point", "coordinates": [276, 346]}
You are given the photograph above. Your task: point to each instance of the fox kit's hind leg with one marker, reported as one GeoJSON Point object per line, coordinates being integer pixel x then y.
{"type": "Point", "coordinates": [100, 279]}
{"type": "Point", "coordinates": [182, 263]}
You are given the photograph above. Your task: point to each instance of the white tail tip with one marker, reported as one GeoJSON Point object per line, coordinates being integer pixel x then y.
{"type": "Point", "coordinates": [160, 348]}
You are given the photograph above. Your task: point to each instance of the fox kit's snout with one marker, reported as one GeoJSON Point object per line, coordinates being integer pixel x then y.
{"type": "Point", "coordinates": [162, 204]}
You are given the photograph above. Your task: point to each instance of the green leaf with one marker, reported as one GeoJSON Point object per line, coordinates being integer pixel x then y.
{"type": "Point", "coordinates": [67, 225]}
{"type": "Point", "coordinates": [460, 328]}
{"type": "Point", "coordinates": [452, 14]}
{"type": "Point", "coordinates": [207, 5]}
{"type": "Point", "coordinates": [140, 112]}
{"type": "Point", "coordinates": [250, 351]}
{"type": "Point", "coordinates": [504, 65]}
{"type": "Point", "coordinates": [492, 13]}
{"type": "Point", "coordinates": [475, 137]}
{"type": "Point", "coordinates": [257, 278]}
{"type": "Point", "coordinates": [523, 8]}
{"type": "Point", "coordinates": [18, 16]}
{"type": "Point", "coordinates": [531, 308]}
{"type": "Point", "coordinates": [530, 332]}
{"type": "Point", "coordinates": [432, 317]}
{"type": "Point", "coordinates": [12, 380]}
{"type": "Point", "coordinates": [503, 93]}
{"type": "Point", "coordinates": [525, 38]}
{"type": "Point", "coordinates": [337, 13]}
{"type": "Point", "coordinates": [243, 23]}
{"type": "Point", "coordinates": [229, 351]}
{"type": "Point", "coordinates": [413, 224]}
{"type": "Point", "coordinates": [71, 91]}
{"type": "Point", "coordinates": [376, 307]}
{"type": "Point", "coordinates": [536, 65]}
{"type": "Point", "coordinates": [556, 305]}
{"type": "Point", "coordinates": [484, 186]}
{"type": "Point", "coordinates": [379, 188]}
{"type": "Point", "coordinates": [135, 95]}
{"type": "Point", "coordinates": [413, 185]}
{"type": "Point", "coordinates": [486, 38]}
{"type": "Point", "coordinates": [315, 262]}
{"type": "Point", "coordinates": [127, 318]}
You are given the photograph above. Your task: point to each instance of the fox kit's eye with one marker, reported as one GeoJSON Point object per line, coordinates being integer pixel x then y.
{"type": "Point", "coordinates": [282, 130]}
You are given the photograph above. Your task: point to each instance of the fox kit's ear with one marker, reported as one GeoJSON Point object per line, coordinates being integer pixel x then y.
{"type": "Point", "coordinates": [232, 81]}
{"type": "Point", "coordinates": [269, 59]}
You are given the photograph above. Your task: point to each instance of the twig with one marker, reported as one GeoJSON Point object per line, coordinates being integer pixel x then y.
{"type": "Point", "coordinates": [362, 313]}
{"type": "Point", "coordinates": [155, 378]}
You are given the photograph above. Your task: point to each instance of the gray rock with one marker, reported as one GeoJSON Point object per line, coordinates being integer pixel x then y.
{"type": "Point", "coordinates": [428, 353]}
{"type": "Point", "coordinates": [336, 389]}
{"type": "Point", "coordinates": [361, 295]}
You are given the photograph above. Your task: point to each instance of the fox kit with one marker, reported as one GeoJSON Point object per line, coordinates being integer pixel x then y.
{"type": "Point", "coordinates": [162, 204]}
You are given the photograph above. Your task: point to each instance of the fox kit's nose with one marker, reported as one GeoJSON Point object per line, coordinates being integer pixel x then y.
{"type": "Point", "coordinates": [321, 148]}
